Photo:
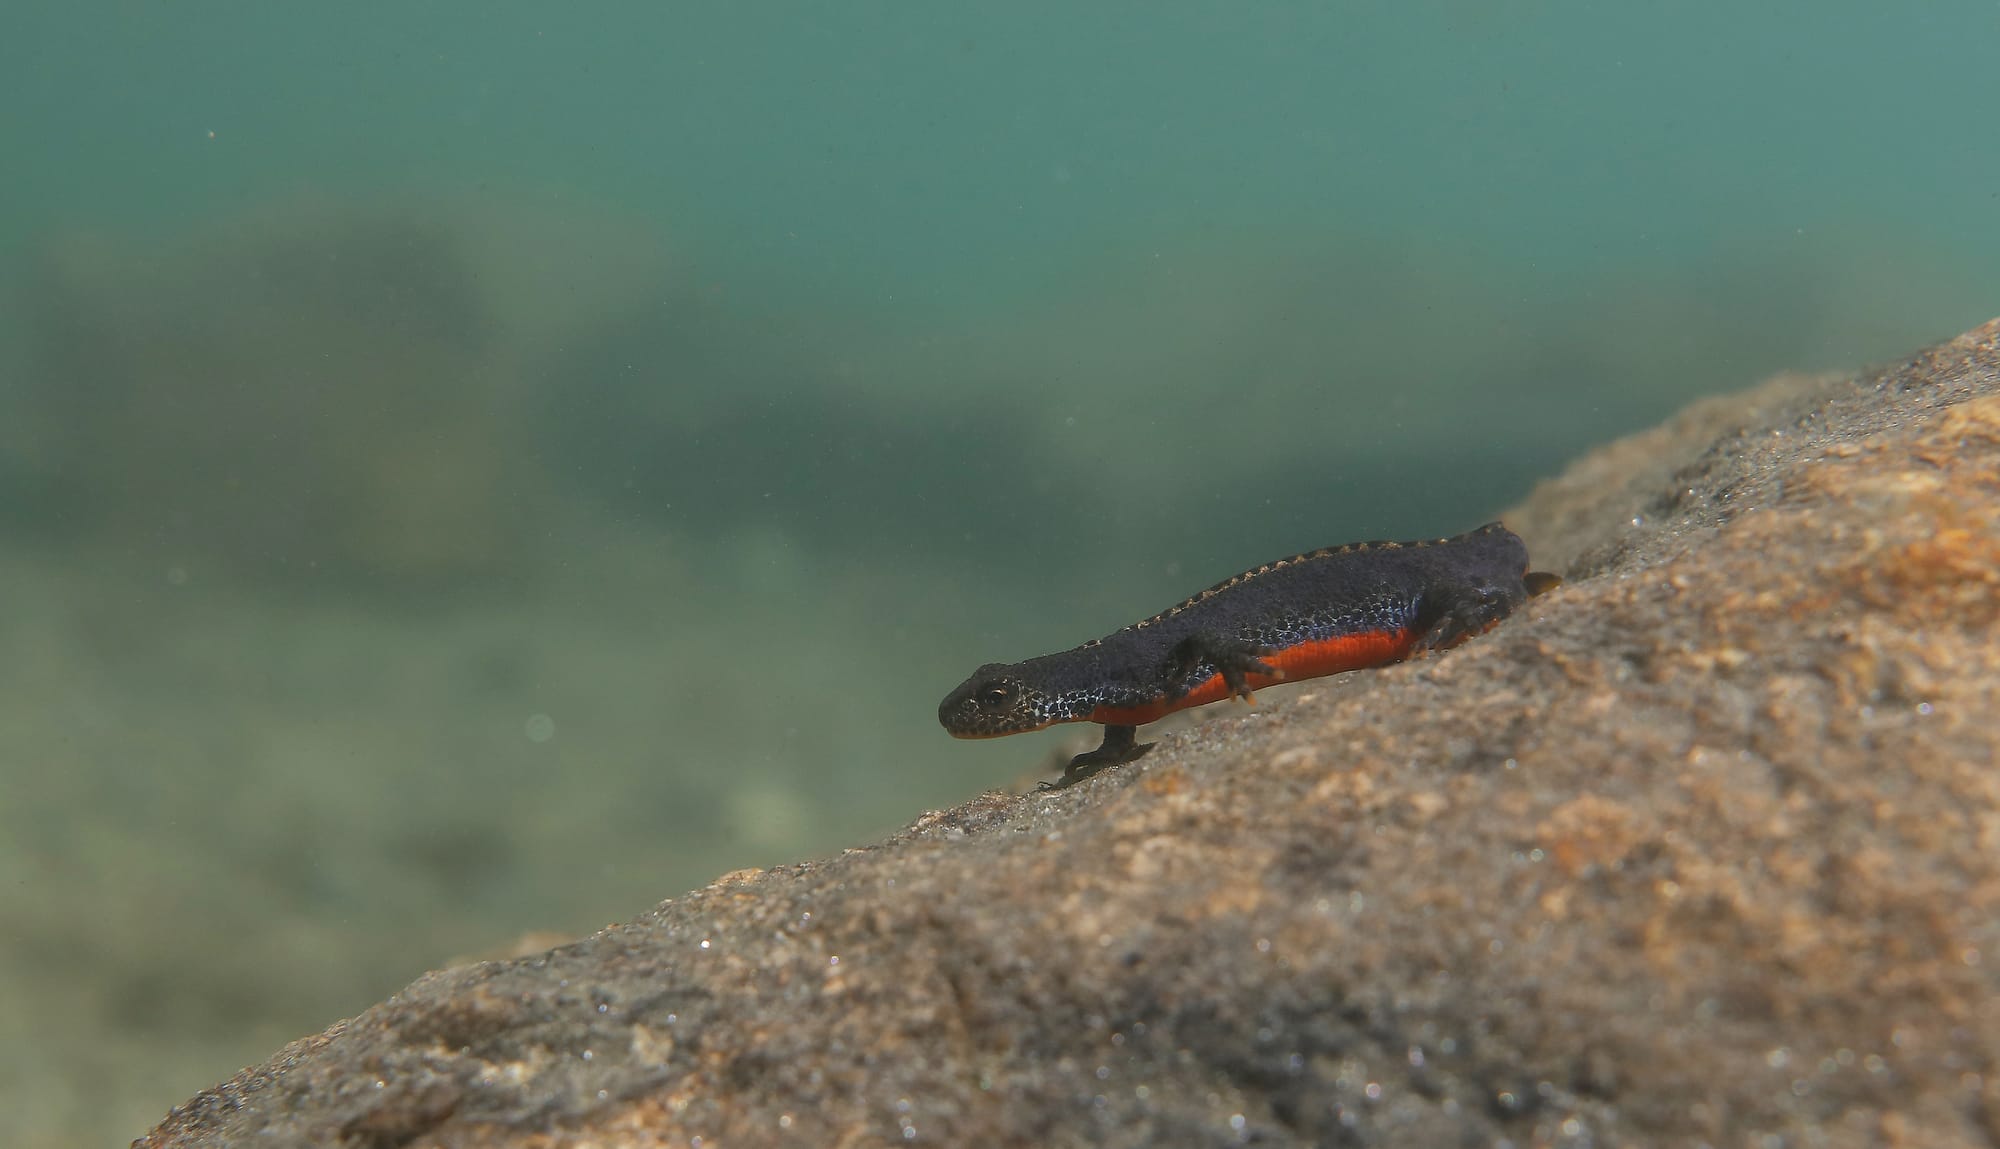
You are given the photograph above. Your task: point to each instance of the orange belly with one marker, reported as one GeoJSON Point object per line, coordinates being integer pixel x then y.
{"type": "Point", "coordinates": [1294, 663]}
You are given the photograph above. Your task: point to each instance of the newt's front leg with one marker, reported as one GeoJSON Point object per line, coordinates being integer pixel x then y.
{"type": "Point", "coordinates": [1121, 745]}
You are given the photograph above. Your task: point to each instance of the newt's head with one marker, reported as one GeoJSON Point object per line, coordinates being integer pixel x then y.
{"type": "Point", "coordinates": [995, 701]}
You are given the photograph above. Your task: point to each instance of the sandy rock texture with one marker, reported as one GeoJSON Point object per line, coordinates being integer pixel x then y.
{"type": "Point", "coordinates": [1701, 848]}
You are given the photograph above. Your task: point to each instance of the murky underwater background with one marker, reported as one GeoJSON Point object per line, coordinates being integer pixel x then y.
{"type": "Point", "coordinates": [468, 470]}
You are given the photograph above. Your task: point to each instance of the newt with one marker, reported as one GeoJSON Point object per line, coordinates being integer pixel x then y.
{"type": "Point", "coordinates": [1328, 611]}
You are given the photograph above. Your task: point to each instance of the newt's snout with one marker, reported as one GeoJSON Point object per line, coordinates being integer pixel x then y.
{"type": "Point", "coordinates": [993, 703]}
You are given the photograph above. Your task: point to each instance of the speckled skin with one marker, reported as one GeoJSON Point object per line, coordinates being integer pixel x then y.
{"type": "Point", "coordinates": [1415, 595]}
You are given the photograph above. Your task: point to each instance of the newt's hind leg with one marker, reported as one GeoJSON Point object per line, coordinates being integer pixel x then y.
{"type": "Point", "coordinates": [1234, 659]}
{"type": "Point", "coordinates": [1455, 613]}
{"type": "Point", "coordinates": [1121, 745]}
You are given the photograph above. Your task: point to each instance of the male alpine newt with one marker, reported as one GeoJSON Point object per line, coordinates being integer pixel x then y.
{"type": "Point", "coordinates": [1326, 612]}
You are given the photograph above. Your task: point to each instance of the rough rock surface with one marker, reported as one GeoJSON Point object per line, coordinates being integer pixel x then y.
{"type": "Point", "coordinates": [1703, 847]}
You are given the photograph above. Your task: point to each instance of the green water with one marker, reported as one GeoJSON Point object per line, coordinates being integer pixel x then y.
{"type": "Point", "coordinates": [476, 469]}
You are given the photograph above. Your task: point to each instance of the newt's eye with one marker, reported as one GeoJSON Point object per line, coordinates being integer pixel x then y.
{"type": "Point", "coordinates": [996, 696]}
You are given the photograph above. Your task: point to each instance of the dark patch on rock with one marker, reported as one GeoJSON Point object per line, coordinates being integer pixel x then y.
{"type": "Point", "coordinates": [1702, 847]}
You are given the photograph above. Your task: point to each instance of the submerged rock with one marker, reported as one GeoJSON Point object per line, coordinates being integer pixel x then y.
{"type": "Point", "coordinates": [1701, 847]}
